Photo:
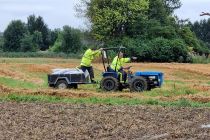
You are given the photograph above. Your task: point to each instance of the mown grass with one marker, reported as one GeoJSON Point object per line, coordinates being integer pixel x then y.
{"type": "Point", "coordinates": [106, 101]}
{"type": "Point", "coordinates": [17, 83]}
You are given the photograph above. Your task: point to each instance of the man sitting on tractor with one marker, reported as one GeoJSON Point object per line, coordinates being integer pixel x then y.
{"type": "Point", "coordinates": [86, 63]}
{"type": "Point", "coordinates": [118, 62]}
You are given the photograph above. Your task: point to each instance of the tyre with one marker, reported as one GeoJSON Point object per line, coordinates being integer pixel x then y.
{"type": "Point", "coordinates": [138, 84]}
{"type": "Point", "coordinates": [61, 84]}
{"type": "Point", "coordinates": [109, 84]}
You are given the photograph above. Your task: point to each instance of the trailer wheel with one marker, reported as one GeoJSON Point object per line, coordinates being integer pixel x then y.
{"type": "Point", "coordinates": [138, 84]}
{"type": "Point", "coordinates": [61, 84]}
{"type": "Point", "coordinates": [109, 84]}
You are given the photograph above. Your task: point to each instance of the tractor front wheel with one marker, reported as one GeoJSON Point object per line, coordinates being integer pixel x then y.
{"type": "Point", "coordinates": [109, 84]}
{"type": "Point", "coordinates": [138, 84]}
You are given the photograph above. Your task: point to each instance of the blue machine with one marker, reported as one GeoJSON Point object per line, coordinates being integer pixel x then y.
{"type": "Point", "coordinates": [136, 82]}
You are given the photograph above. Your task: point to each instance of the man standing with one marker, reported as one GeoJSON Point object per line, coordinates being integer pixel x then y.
{"type": "Point", "coordinates": [86, 63]}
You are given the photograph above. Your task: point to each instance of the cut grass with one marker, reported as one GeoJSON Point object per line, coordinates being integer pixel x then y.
{"type": "Point", "coordinates": [107, 101]}
{"type": "Point", "coordinates": [17, 83]}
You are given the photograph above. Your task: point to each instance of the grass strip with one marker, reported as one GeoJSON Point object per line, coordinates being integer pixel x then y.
{"type": "Point", "coordinates": [106, 101]}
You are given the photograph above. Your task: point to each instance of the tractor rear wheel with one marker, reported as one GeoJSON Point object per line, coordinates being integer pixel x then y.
{"type": "Point", "coordinates": [109, 84]}
{"type": "Point", "coordinates": [138, 84]}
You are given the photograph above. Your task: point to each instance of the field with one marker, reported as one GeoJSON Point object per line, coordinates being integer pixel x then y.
{"type": "Point", "coordinates": [90, 113]}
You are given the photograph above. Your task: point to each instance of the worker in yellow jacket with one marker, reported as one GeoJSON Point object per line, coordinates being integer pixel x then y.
{"type": "Point", "coordinates": [86, 63]}
{"type": "Point", "coordinates": [118, 62]}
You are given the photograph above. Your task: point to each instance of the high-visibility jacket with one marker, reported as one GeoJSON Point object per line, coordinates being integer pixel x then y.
{"type": "Point", "coordinates": [119, 62]}
{"type": "Point", "coordinates": [88, 57]}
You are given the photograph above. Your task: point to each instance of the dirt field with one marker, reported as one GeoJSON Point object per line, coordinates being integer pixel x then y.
{"type": "Point", "coordinates": [191, 81]}
{"type": "Point", "coordinates": [62, 121]}
{"type": "Point", "coordinates": [66, 121]}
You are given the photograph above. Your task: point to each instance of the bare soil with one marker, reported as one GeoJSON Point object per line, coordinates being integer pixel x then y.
{"type": "Point", "coordinates": [66, 121]}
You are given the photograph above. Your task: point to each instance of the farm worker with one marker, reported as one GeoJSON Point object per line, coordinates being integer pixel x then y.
{"type": "Point", "coordinates": [86, 63]}
{"type": "Point", "coordinates": [204, 14]}
{"type": "Point", "coordinates": [118, 62]}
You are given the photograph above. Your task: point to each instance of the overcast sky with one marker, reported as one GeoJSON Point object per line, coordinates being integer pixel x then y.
{"type": "Point", "coordinates": [57, 13]}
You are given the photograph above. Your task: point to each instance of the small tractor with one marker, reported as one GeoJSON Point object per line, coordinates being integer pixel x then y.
{"type": "Point", "coordinates": [111, 81]}
{"type": "Point", "coordinates": [137, 82]}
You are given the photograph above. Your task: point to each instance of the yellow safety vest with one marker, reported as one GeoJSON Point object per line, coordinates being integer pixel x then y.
{"type": "Point", "coordinates": [88, 57]}
{"type": "Point", "coordinates": [119, 62]}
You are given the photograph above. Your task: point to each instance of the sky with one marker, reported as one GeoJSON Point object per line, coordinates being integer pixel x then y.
{"type": "Point", "coordinates": [58, 13]}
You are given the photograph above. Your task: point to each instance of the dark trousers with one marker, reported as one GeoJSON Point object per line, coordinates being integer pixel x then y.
{"type": "Point", "coordinates": [124, 74]}
{"type": "Point", "coordinates": [90, 70]}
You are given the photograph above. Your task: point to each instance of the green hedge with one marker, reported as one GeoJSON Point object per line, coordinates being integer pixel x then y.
{"type": "Point", "coordinates": [38, 55]}
{"type": "Point", "coordinates": [155, 50]}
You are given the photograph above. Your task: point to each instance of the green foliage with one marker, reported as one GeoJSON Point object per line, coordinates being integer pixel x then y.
{"type": "Point", "coordinates": [200, 59]}
{"type": "Point", "coordinates": [37, 24]}
{"type": "Point", "coordinates": [202, 31]}
{"type": "Point", "coordinates": [110, 18]}
{"type": "Point", "coordinates": [28, 43]}
{"type": "Point", "coordinates": [164, 50]}
{"type": "Point", "coordinates": [191, 40]}
{"type": "Point", "coordinates": [38, 55]}
{"type": "Point", "coordinates": [68, 41]}
{"type": "Point", "coordinates": [155, 50]}
{"type": "Point", "coordinates": [1, 43]}
{"type": "Point", "coordinates": [13, 35]}
{"type": "Point", "coordinates": [71, 40]}
{"type": "Point", "coordinates": [152, 32]}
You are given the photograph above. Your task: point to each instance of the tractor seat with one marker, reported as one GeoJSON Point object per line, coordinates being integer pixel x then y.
{"type": "Point", "coordinates": [109, 69]}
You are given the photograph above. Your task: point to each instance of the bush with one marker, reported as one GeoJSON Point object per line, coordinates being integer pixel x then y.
{"type": "Point", "coordinates": [156, 50]}
{"type": "Point", "coordinates": [38, 55]}
{"type": "Point", "coordinates": [68, 41]}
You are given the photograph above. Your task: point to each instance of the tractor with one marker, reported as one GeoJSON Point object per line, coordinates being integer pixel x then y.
{"type": "Point", "coordinates": [111, 80]}
{"type": "Point", "coordinates": [136, 82]}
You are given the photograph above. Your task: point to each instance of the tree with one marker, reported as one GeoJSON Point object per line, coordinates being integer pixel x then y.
{"type": "Point", "coordinates": [202, 30]}
{"type": "Point", "coordinates": [1, 43]}
{"type": "Point", "coordinates": [27, 43]}
{"type": "Point", "coordinates": [53, 36]}
{"type": "Point", "coordinates": [37, 24]}
{"type": "Point", "coordinates": [68, 41]}
{"type": "Point", "coordinates": [13, 35]}
{"type": "Point", "coordinates": [110, 18]}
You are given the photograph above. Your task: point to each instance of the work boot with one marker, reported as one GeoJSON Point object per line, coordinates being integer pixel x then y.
{"type": "Point", "coordinates": [93, 81]}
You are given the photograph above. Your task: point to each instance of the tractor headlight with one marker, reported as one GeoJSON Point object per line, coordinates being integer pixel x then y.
{"type": "Point", "coordinates": [152, 77]}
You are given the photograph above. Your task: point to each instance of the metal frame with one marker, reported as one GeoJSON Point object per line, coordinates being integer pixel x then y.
{"type": "Point", "coordinates": [106, 51]}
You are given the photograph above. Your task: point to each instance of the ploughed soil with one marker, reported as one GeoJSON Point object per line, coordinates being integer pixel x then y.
{"type": "Point", "coordinates": [66, 121]}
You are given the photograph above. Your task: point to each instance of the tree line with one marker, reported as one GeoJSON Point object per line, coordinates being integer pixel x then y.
{"type": "Point", "coordinates": [148, 28]}
{"type": "Point", "coordinates": [35, 36]}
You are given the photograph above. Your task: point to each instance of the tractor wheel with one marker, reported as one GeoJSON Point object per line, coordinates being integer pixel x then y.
{"type": "Point", "coordinates": [61, 84]}
{"type": "Point", "coordinates": [109, 84]}
{"type": "Point", "coordinates": [138, 84]}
